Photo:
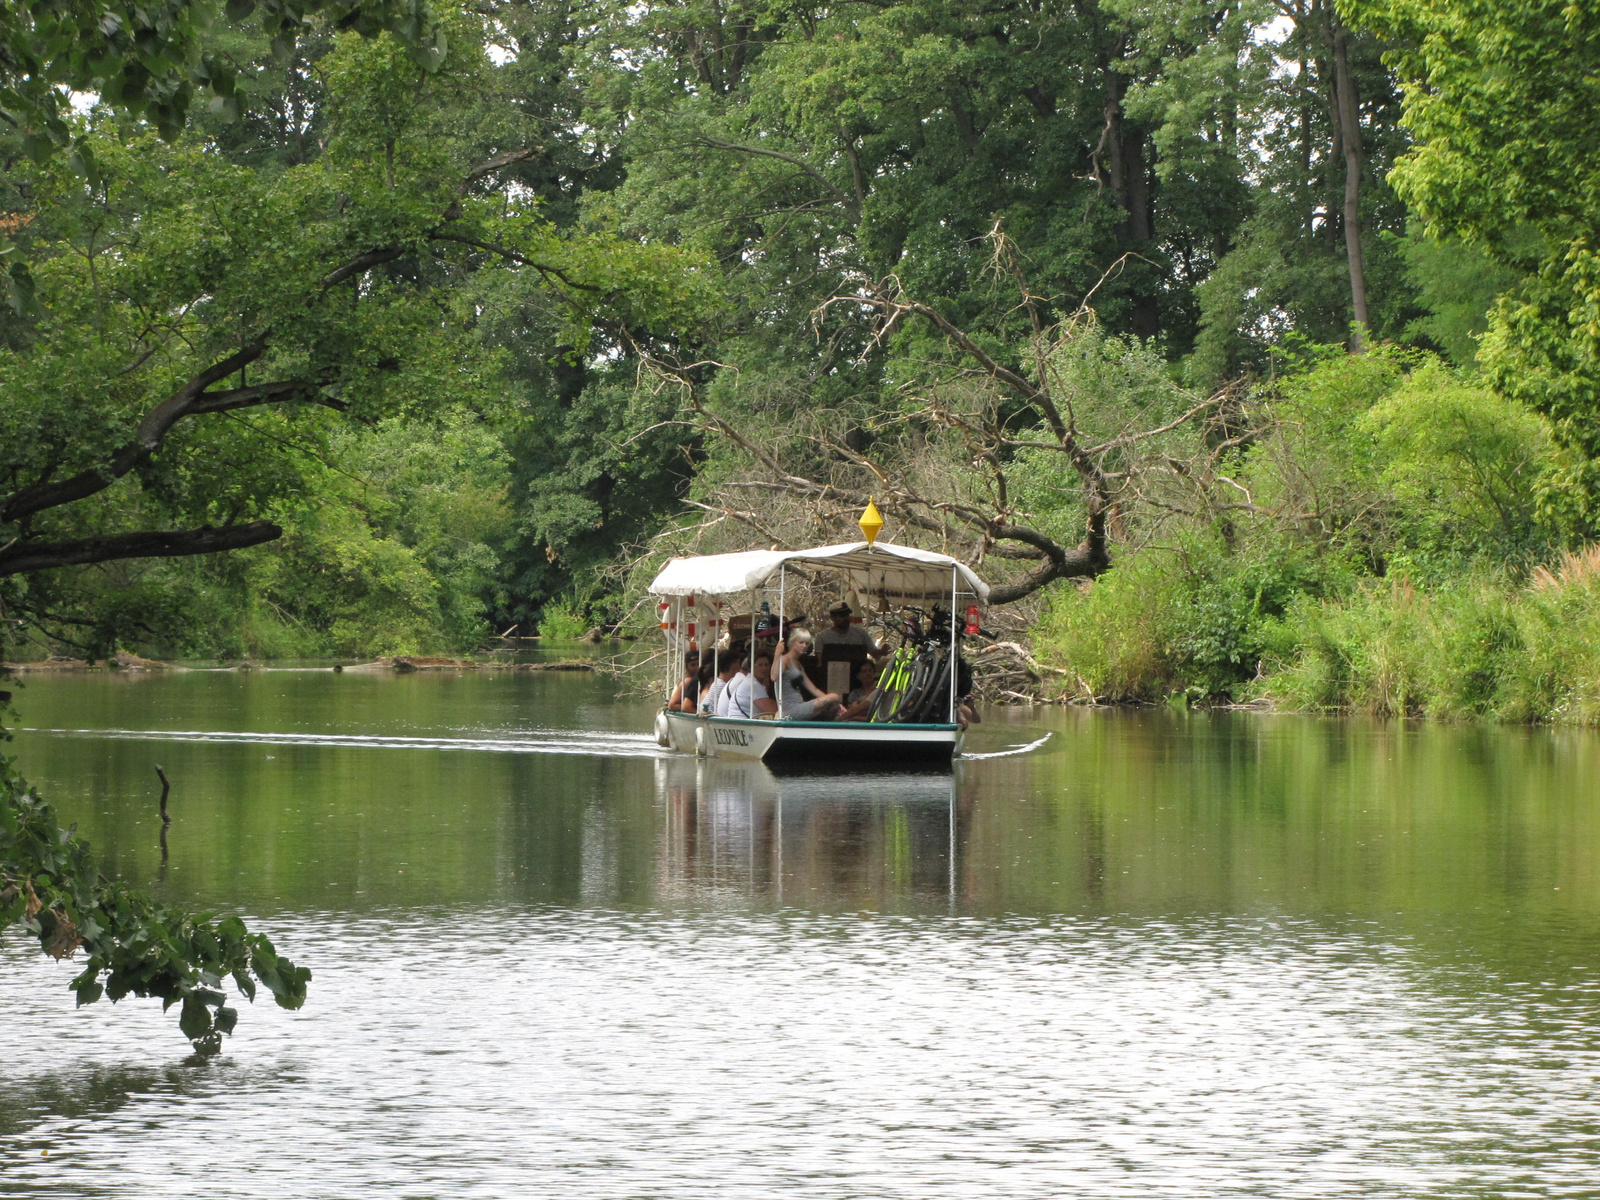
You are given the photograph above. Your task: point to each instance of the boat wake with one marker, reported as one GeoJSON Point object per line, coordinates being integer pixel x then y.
{"type": "Point", "coordinates": [1007, 753]}
{"type": "Point", "coordinates": [534, 741]}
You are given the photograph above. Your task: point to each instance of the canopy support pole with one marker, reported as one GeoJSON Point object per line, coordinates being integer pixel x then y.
{"type": "Point", "coordinates": [672, 645]}
{"type": "Point", "coordinates": [953, 720]}
{"type": "Point", "coordinates": [782, 644]}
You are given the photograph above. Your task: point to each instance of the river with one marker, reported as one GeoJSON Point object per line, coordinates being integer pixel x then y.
{"type": "Point", "coordinates": [1156, 954]}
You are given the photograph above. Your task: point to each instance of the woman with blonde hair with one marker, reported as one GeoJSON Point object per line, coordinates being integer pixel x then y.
{"type": "Point", "coordinates": [801, 700]}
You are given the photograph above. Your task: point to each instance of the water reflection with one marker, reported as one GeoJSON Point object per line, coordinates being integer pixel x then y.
{"type": "Point", "coordinates": [736, 834]}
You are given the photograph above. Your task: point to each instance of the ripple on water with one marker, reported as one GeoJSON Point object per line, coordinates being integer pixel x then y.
{"type": "Point", "coordinates": [486, 1052]}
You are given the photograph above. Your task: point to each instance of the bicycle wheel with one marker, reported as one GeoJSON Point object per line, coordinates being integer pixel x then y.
{"type": "Point", "coordinates": [891, 686]}
{"type": "Point", "coordinates": [921, 670]}
{"type": "Point", "coordinates": [935, 696]}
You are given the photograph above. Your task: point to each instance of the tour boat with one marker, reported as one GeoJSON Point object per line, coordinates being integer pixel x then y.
{"type": "Point", "coordinates": [702, 599]}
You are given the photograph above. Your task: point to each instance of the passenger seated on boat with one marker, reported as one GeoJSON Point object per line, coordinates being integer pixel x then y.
{"type": "Point", "coordinates": [686, 696]}
{"type": "Point", "coordinates": [858, 704]}
{"type": "Point", "coordinates": [841, 635]}
{"type": "Point", "coordinates": [724, 705]}
{"type": "Point", "coordinates": [966, 711]}
{"type": "Point", "coordinates": [731, 661]}
{"type": "Point", "coordinates": [753, 697]}
{"type": "Point", "coordinates": [802, 699]}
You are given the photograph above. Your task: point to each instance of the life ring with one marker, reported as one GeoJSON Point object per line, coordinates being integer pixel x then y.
{"type": "Point", "coordinates": [663, 731]}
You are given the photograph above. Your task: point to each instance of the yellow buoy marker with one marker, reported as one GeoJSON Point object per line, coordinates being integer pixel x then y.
{"type": "Point", "coordinates": [871, 522]}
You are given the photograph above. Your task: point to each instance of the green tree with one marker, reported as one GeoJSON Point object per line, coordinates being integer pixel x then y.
{"type": "Point", "coordinates": [1500, 98]}
{"type": "Point", "coordinates": [1458, 284]}
{"type": "Point", "coordinates": [1315, 259]}
{"type": "Point", "coordinates": [203, 328]}
{"type": "Point", "coordinates": [821, 143]}
{"type": "Point", "coordinates": [151, 60]}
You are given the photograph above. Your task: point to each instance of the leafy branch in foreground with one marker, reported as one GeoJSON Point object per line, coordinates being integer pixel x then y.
{"type": "Point", "coordinates": [132, 945]}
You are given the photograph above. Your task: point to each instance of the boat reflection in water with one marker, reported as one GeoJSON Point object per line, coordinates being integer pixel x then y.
{"type": "Point", "coordinates": [736, 833]}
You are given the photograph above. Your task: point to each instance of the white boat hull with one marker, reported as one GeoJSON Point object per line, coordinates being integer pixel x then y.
{"type": "Point", "coordinates": [815, 743]}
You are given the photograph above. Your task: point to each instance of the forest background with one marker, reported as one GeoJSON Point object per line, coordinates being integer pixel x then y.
{"type": "Point", "coordinates": [1253, 350]}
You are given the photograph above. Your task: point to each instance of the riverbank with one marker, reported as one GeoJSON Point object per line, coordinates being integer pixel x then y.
{"type": "Point", "coordinates": [402, 664]}
{"type": "Point", "coordinates": [1207, 631]}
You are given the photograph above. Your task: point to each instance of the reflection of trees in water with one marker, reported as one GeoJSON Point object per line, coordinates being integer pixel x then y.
{"type": "Point", "coordinates": [24, 1103]}
{"type": "Point", "coordinates": [736, 832]}
{"type": "Point", "coordinates": [576, 831]}
{"type": "Point", "coordinates": [79, 1094]}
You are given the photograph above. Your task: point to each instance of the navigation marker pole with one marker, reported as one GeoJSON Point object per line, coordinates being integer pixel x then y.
{"type": "Point", "coordinates": [166, 821]}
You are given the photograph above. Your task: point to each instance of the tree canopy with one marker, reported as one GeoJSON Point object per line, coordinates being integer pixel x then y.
{"type": "Point", "coordinates": [609, 247]}
{"type": "Point", "coordinates": [1500, 98]}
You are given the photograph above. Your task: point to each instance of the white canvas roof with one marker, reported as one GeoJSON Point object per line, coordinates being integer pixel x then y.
{"type": "Point", "coordinates": [897, 574]}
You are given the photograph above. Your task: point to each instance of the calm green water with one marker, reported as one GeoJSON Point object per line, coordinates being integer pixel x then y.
{"type": "Point", "coordinates": [1154, 956]}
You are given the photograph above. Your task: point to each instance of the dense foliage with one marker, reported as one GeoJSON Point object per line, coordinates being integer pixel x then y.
{"type": "Point", "coordinates": [1500, 97]}
{"type": "Point", "coordinates": [1241, 309]}
{"type": "Point", "coordinates": [208, 320]}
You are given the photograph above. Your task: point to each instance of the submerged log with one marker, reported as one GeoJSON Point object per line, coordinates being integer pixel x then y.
{"type": "Point", "coordinates": [132, 662]}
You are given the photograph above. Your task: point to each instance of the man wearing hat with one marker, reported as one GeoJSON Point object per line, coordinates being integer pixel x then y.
{"type": "Point", "coordinates": [841, 635]}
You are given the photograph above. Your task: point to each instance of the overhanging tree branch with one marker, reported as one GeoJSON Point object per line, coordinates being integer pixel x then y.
{"type": "Point", "coordinates": [838, 194]}
{"type": "Point", "coordinates": [42, 556]}
{"type": "Point", "coordinates": [265, 393]}
{"type": "Point", "coordinates": [195, 398]}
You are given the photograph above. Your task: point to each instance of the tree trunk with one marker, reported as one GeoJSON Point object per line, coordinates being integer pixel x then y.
{"type": "Point", "coordinates": [1305, 148]}
{"type": "Point", "coordinates": [1350, 139]}
{"type": "Point", "coordinates": [1128, 176]}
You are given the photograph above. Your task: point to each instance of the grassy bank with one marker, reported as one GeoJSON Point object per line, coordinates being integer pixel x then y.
{"type": "Point", "coordinates": [1475, 647]}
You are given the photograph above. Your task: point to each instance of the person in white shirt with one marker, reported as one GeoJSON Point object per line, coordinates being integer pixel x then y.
{"type": "Point", "coordinates": [753, 696]}
{"type": "Point", "coordinates": [731, 663]}
{"type": "Point", "coordinates": [724, 706]}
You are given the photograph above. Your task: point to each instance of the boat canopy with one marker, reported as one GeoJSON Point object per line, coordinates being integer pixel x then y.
{"type": "Point", "coordinates": [893, 574]}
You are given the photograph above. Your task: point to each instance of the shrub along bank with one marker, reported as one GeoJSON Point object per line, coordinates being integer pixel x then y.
{"type": "Point", "coordinates": [1394, 548]}
{"type": "Point", "coordinates": [1470, 648]}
